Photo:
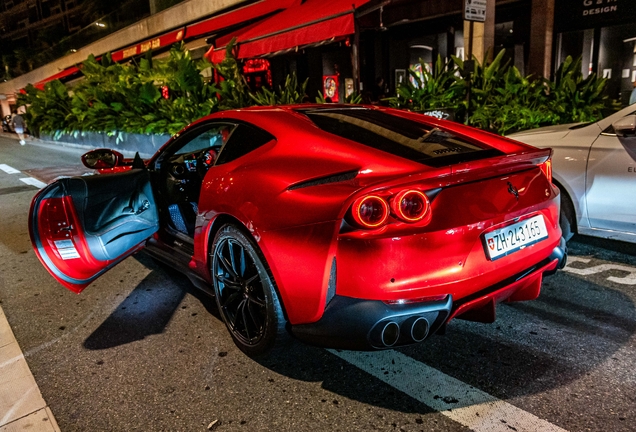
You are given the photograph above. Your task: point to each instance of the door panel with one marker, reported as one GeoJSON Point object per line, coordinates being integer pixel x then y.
{"type": "Point", "coordinates": [82, 226]}
{"type": "Point", "coordinates": [611, 184]}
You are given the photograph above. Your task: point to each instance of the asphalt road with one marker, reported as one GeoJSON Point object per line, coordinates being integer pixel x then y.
{"type": "Point", "coordinates": [141, 349]}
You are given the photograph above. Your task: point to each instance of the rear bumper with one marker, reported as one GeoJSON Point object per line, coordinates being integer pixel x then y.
{"type": "Point", "coordinates": [358, 324]}
{"type": "Point", "coordinates": [526, 285]}
{"type": "Point", "coordinates": [560, 253]}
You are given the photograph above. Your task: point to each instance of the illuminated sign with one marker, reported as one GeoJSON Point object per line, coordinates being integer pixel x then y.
{"type": "Point", "coordinates": [592, 7]}
{"type": "Point", "coordinates": [148, 45]}
{"type": "Point", "coordinates": [475, 10]}
{"type": "Point", "coordinates": [129, 52]}
{"type": "Point", "coordinates": [581, 14]}
{"type": "Point", "coordinates": [145, 46]}
{"type": "Point", "coordinates": [330, 88]}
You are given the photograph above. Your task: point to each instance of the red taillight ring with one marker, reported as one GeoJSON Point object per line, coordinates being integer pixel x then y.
{"type": "Point", "coordinates": [397, 208]}
{"type": "Point", "coordinates": [356, 208]}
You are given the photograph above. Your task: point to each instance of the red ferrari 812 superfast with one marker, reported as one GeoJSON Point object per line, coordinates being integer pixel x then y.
{"type": "Point", "coordinates": [353, 227]}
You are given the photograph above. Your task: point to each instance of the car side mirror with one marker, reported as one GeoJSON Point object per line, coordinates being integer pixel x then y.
{"type": "Point", "coordinates": [625, 125]}
{"type": "Point", "coordinates": [102, 158]}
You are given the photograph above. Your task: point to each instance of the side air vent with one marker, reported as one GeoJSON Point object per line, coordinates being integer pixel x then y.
{"type": "Point", "coordinates": [334, 178]}
{"type": "Point", "coordinates": [331, 288]}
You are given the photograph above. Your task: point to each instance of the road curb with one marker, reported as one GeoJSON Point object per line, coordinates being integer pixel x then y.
{"type": "Point", "coordinates": [30, 140]}
{"type": "Point", "coordinates": [22, 406]}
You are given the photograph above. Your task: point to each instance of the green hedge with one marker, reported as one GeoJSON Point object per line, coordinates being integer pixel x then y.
{"type": "Point", "coordinates": [146, 97]}
{"type": "Point", "coordinates": [501, 99]}
{"type": "Point", "coordinates": [164, 95]}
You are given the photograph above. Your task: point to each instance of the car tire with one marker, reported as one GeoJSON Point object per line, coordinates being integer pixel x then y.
{"type": "Point", "coordinates": [246, 294]}
{"type": "Point", "coordinates": [567, 219]}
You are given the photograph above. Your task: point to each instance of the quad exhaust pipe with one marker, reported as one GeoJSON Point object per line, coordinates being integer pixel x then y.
{"type": "Point", "coordinates": [417, 328]}
{"type": "Point", "coordinates": [385, 334]}
{"type": "Point", "coordinates": [390, 334]}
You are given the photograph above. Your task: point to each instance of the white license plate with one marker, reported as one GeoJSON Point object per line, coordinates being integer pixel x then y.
{"type": "Point", "coordinates": [514, 237]}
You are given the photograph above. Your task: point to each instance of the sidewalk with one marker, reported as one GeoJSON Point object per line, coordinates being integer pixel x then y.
{"type": "Point", "coordinates": [22, 407]}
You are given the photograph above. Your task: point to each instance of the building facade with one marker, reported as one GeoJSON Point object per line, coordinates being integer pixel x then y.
{"type": "Point", "coordinates": [603, 34]}
{"type": "Point", "coordinates": [368, 46]}
{"type": "Point", "coordinates": [35, 32]}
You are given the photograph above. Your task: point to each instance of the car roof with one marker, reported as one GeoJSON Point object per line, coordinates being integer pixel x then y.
{"type": "Point", "coordinates": [278, 119]}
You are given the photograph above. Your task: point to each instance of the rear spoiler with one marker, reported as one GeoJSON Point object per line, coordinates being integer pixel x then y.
{"type": "Point", "coordinates": [502, 165]}
{"type": "Point", "coordinates": [434, 178]}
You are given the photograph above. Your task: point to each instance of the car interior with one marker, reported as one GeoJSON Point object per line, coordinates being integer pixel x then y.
{"type": "Point", "coordinates": [182, 169]}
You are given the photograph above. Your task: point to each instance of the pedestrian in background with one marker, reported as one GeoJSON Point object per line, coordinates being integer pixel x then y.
{"type": "Point", "coordinates": [632, 97]}
{"type": "Point", "coordinates": [18, 126]}
{"type": "Point", "coordinates": [379, 91]}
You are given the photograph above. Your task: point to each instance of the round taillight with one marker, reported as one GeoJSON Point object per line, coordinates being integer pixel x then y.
{"type": "Point", "coordinates": [370, 211]}
{"type": "Point", "coordinates": [410, 205]}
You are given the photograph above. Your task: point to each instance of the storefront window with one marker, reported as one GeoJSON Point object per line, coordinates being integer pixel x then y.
{"type": "Point", "coordinates": [617, 59]}
{"type": "Point", "coordinates": [603, 34]}
{"type": "Point", "coordinates": [509, 39]}
{"type": "Point", "coordinates": [423, 52]}
{"type": "Point", "coordinates": [616, 56]}
{"type": "Point", "coordinates": [576, 44]}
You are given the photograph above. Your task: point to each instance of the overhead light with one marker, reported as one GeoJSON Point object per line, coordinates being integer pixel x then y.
{"type": "Point", "coordinates": [73, 50]}
{"type": "Point", "coordinates": [99, 24]}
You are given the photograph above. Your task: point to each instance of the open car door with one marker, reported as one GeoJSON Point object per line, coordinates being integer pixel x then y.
{"type": "Point", "coordinates": [82, 226]}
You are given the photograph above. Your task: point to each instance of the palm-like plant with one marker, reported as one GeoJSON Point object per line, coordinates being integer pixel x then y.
{"type": "Point", "coordinates": [291, 92]}
{"type": "Point", "coordinates": [162, 96]}
{"type": "Point", "coordinates": [574, 98]}
{"type": "Point", "coordinates": [441, 88]}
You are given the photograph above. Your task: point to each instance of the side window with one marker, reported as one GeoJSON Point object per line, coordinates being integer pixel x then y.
{"type": "Point", "coordinates": [243, 140]}
{"type": "Point", "coordinates": [213, 137]}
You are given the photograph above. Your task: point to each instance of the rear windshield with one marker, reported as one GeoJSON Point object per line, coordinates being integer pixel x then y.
{"type": "Point", "coordinates": [399, 136]}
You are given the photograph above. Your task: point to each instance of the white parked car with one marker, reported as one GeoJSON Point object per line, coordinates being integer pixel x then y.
{"type": "Point", "coordinates": [594, 165]}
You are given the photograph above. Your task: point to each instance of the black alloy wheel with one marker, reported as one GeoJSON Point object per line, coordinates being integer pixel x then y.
{"type": "Point", "coordinates": [245, 292]}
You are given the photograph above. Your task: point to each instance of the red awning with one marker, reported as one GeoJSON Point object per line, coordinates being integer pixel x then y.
{"type": "Point", "coordinates": [237, 16]}
{"type": "Point", "coordinates": [65, 73]}
{"type": "Point", "coordinates": [219, 22]}
{"type": "Point", "coordinates": [217, 55]}
{"type": "Point", "coordinates": [302, 24]}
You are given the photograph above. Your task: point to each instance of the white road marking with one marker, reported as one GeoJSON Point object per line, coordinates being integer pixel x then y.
{"type": "Point", "coordinates": [630, 279]}
{"type": "Point", "coordinates": [8, 169]}
{"type": "Point", "coordinates": [33, 182]}
{"type": "Point", "coordinates": [451, 397]}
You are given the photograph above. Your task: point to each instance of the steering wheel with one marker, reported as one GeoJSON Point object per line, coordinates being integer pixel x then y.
{"type": "Point", "coordinates": [177, 170]}
{"type": "Point", "coordinates": [208, 157]}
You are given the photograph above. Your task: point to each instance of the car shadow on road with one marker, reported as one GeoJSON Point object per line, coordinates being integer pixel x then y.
{"type": "Point", "coordinates": [345, 381]}
{"type": "Point", "coordinates": [532, 348]}
{"type": "Point", "coordinates": [614, 250]}
{"type": "Point", "coordinates": [148, 309]}
{"type": "Point", "coordinates": [145, 311]}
